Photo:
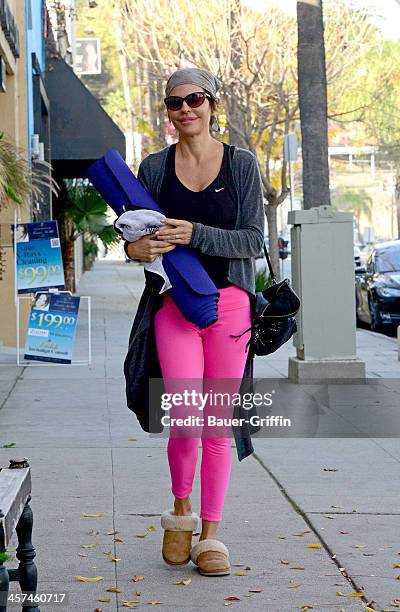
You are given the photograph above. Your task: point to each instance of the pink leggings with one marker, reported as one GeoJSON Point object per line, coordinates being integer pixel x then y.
{"type": "Point", "coordinates": [187, 352]}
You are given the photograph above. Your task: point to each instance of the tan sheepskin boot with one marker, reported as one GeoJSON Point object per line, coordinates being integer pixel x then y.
{"type": "Point", "coordinates": [178, 532]}
{"type": "Point", "coordinates": [211, 558]}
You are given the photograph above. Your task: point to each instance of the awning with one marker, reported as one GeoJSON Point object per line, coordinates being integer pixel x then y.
{"type": "Point", "coordinates": [81, 131]}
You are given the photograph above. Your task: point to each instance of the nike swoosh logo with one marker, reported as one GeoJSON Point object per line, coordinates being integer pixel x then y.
{"type": "Point", "coordinates": [216, 191]}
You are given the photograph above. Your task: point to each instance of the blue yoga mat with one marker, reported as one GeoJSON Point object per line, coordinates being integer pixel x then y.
{"type": "Point", "coordinates": [192, 290]}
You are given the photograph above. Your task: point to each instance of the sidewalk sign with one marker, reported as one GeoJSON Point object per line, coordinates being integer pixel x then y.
{"type": "Point", "coordinates": [51, 328]}
{"type": "Point", "coordinates": [38, 257]}
{"type": "Point", "coordinates": [35, 356]}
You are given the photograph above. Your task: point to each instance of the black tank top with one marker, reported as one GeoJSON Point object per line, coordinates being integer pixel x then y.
{"type": "Point", "coordinates": [215, 205]}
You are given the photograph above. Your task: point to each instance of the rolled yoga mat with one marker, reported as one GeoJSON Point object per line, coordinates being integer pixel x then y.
{"type": "Point", "coordinates": [192, 290]}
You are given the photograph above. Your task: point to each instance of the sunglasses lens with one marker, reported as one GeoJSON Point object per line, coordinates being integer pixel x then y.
{"type": "Point", "coordinates": [195, 99]}
{"type": "Point", "coordinates": [174, 103]}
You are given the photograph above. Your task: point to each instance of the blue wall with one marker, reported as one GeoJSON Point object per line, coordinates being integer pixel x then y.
{"type": "Point", "coordinates": [34, 17]}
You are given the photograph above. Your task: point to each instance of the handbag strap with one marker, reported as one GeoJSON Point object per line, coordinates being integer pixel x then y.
{"type": "Point", "coordinates": [273, 277]}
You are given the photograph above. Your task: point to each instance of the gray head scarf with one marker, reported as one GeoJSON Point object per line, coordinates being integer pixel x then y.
{"type": "Point", "coordinates": [195, 76]}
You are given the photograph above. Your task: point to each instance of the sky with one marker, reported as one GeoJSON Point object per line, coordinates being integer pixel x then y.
{"type": "Point", "coordinates": [388, 9]}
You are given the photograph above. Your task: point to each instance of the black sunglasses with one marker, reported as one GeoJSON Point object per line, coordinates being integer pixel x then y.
{"type": "Point", "coordinates": [194, 100]}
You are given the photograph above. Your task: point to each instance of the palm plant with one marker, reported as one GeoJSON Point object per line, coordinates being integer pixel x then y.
{"type": "Point", "coordinates": [84, 213]}
{"type": "Point", "coordinates": [19, 182]}
{"type": "Point", "coordinates": [359, 202]}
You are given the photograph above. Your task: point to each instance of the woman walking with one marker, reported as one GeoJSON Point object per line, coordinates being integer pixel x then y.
{"type": "Point", "coordinates": [211, 195]}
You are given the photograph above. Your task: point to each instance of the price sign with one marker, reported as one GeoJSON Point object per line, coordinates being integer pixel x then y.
{"type": "Point", "coordinates": [51, 328]}
{"type": "Point", "coordinates": [39, 259]}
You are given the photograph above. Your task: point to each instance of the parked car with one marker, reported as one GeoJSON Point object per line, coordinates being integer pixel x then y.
{"type": "Point", "coordinates": [378, 287]}
{"type": "Point", "coordinates": [357, 256]}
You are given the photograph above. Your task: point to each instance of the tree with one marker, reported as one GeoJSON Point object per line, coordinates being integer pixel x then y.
{"type": "Point", "coordinates": [359, 202]}
{"type": "Point", "coordinates": [313, 103]}
{"type": "Point", "coordinates": [254, 54]}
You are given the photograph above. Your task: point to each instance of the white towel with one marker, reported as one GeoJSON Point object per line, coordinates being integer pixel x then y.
{"type": "Point", "coordinates": [133, 224]}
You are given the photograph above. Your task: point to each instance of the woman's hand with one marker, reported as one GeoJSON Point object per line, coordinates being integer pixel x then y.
{"type": "Point", "coordinates": [148, 248]}
{"type": "Point", "coordinates": [176, 231]}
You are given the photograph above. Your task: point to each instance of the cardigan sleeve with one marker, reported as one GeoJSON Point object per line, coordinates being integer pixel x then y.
{"type": "Point", "coordinates": [248, 240]}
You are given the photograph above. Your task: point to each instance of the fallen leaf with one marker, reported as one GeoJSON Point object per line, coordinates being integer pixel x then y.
{"type": "Point", "coordinates": [340, 594]}
{"type": "Point", "coordinates": [85, 579]}
{"type": "Point", "coordinates": [313, 545]}
{"type": "Point", "coordinates": [111, 532]}
{"type": "Point", "coordinates": [232, 598]}
{"type": "Point", "coordinates": [141, 535]}
{"type": "Point", "coordinates": [93, 532]}
{"type": "Point", "coordinates": [301, 533]}
{"type": "Point", "coordinates": [113, 590]}
{"type": "Point", "coordinates": [305, 608]}
{"type": "Point", "coordinates": [137, 578]}
{"type": "Point", "coordinates": [237, 564]}
{"type": "Point", "coordinates": [95, 515]}
{"type": "Point", "coordinates": [358, 594]}
{"type": "Point", "coordinates": [184, 581]}
{"type": "Point", "coordinates": [297, 567]}
{"type": "Point", "coordinates": [82, 555]}
{"type": "Point", "coordinates": [343, 532]}
{"type": "Point", "coordinates": [117, 540]}
{"type": "Point", "coordinates": [239, 574]}
{"type": "Point", "coordinates": [395, 565]}
{"type": "Point", "coordinates": [9, 445]}
{"type": "Point", "coordinates": [152, 603]}
{"type": "Point", "coordinates": [111, 556]}
{"type": "Point", "coordinates": [255, 590]}
{"type": "Point", "coordinates": [132, 439]}
{"type": "Point", "coordinates": [151, 528]}
{"type": "Point", "coordinates": [129, 604]}
{"type": "Point", "coordinates": [138, 593]}
{"type": "Point", "coordinates": [294, 586]}
{"type": "Point", "coordinates": [285, 562]}
{"type": "Point", "coordinates": [330, 469]}
{"type": "Point", "coordinates": [358, 546]}
{"type": "Point", "coordinates": [104, 599]}
{"type": "Point", "coordinates": [90, 545]}
{"type": "Point", "coordinates": [329, 517]}
{"type": "Point", "coordinates": [247, 567]}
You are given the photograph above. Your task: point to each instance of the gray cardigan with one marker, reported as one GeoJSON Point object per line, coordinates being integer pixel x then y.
{"type": "Point", "coordinates": [240, 244]}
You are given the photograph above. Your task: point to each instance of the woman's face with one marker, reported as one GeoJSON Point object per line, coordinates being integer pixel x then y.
{"type": "Point", "coordinates": [190, 121]}
{"type": "Point", "coordinates": [20, 233]}
{"type": "Point", "coordinates": [41, 301]}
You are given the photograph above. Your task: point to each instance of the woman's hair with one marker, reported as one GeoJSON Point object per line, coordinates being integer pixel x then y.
{"type": "Point", "coordinates": [213, 106]}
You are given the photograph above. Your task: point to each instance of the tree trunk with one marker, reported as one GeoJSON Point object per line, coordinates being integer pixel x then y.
{"type": "Point", "coordinates": [313, 103]}
{"type": "Point", "coordinates": [68, 255]}
{"type": "Point", "coordinates": [235, 114]}
{"type": "Point", "coordinates": [397, 201]}
{"type": "Point", "coordinates": [123, 64]}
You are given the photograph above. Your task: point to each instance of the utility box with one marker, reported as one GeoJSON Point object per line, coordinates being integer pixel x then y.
{"type": "Point", "coordinates": [324, 279]}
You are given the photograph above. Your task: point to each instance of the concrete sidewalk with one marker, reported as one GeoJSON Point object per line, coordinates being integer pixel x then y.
{"type": "Point", "coordinates": [88, 455]}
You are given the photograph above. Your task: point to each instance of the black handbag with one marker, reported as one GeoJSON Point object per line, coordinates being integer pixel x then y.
{"type": "Point", "coordinates": [273, 323]}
